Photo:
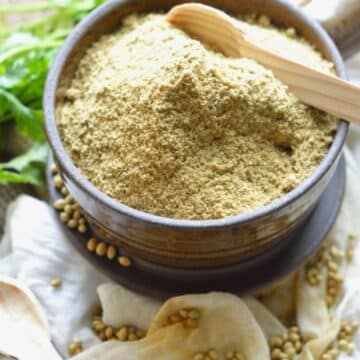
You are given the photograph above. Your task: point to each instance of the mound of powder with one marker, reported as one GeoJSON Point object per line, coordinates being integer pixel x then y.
{"type": "Point", "coordinates": [167, 125]}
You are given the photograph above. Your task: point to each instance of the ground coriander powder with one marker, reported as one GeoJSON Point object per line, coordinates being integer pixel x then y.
{"type": "Point", "coordinates": [167, 125]}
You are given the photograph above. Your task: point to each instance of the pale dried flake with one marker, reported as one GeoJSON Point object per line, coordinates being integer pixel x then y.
{"type": "Point", "coordinates": [165, 124]}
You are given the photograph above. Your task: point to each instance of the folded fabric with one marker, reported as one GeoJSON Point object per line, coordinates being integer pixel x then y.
{"type": "Point", "coordinates": [35, 252]}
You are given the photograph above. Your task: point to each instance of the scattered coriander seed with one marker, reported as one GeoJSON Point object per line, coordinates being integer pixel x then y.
{"type": "Point", "coordinates": [336, 252]}
{"type": "Point", "coordinates": [122, 334]}
{"type": "Point", "coordinates": [350, 347]}
{"type": "Point", "coordinates": [343, 342]}
{"type": "Point", "coordinates": [64, 217]}
{"type": "Point", "coordinates": [287, 346]}
{"type": "Point", "coordinates": [75, 347]}
{"type": "Point", "coordinates": [124, 261]}
{"type": "Point", "coordinates": [190, 324]}
{"type": "Point", "coordinates": [291, 32]}
{"type": "Point", "coordinates": [102, 336]}
{"type": "Point", "coordinates": [75, 207]}
{"type": "Point", "coordinates": [58, 181]}
{"type": "Point", "coordinates": [183, 316]}
{"type": "Point", "coordinates": [213, 355]}
{"type": "Point", "coordinates": [111, 252]}
{"type": "Point", "coordinates": [140, 334]}
{"type": "Point", "coordinates": [174, 318]}
{"type": "Point", "coordinates": [276, 354]}
{"type": "Point", "coordinates": [91, 244]}
{"type": "Point", "coordinates": [101, 248]}
{"type": "Point", "coordinates": [82, 228]}
{"type": "Point", "coordinates": [98, 325]}
{"type": "Point", "coordinates": [326, 356]}
{"type": "Point", "coordinates": [333, 266]}
{"type": "Point", "coordinates": [330, 300]}
{"type": "Point", "coordinates": [53, 169]}
{"type": "Point", "coordinates": [77, 215]}
{"type": "Point", "coordinates": [334, 353]}
{"type": "Point", "coordinates": [55, 283]}
{"type": "Point", "coordinates": [275, 342]}
{"type": "Point", "coordinates": [109, 332]}
{"type": "Point", "coordinates": [132, 337]}
{"type": "Point", "coordinates": [238, 356]}
{"type": "Point", "coordinates": [183, 313]}
{"type": "Point", "coordinates": [72, 224]}
{"type": "Point", "coordinates": [64, 191]}
{"type": "Point", "coordinates": [264, 21]}
{"type": "Point", "coordinates": [194, 314]}
{"type": "Point", "coordinates": [199, 356]}
{"type": "Point", "coordinates": [68, 209]}
{"type": "Point", "coordinates": [294, 337]}
{"type": "Point", "coordinates": [59, 204]}
{"type": "Point", "coordinates": [329, 257]}
{"type": "Point", "coordinates": [347, 329]}
{"type": "Point", "coordinates": [69, 200]}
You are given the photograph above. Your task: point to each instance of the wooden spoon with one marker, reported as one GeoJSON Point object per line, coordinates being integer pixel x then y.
{"type": "Point", "coordinates": [23, 326]}
{"type": "Point", "coordinates": [326, 92]}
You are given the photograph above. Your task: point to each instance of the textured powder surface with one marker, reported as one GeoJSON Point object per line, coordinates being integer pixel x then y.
{"type": "Point", "coordinates": [167, 125]}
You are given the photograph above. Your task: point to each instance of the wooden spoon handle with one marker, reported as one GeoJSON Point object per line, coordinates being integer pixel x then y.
{"type": "Point", "coordinates": [313, 87]}
{"type": "Point", "coordinates": [326, 92]}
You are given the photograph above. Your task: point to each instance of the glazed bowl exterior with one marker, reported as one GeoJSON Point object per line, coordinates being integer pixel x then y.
{"type": "Point", "coordinates": [174, 242]}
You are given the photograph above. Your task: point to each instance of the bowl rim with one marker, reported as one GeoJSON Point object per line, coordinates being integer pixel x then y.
{"type": "Point", "coordinates": [61, 155]}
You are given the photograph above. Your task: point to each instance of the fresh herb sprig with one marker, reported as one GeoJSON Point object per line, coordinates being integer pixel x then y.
{"type": "Point", "coordinates": [26, 53]}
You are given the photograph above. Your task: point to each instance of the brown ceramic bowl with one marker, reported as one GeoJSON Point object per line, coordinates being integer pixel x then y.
{"type": "Point", "coordinates": [186, 243]}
